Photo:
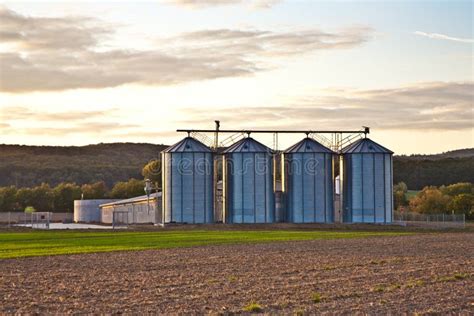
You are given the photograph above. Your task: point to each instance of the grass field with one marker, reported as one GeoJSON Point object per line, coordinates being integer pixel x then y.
{"type": "Point", "coordinates": [45, 243]}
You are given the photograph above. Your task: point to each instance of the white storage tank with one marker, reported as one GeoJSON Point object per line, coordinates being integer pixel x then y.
{"type": "Point", "coordinates": [88, 211]}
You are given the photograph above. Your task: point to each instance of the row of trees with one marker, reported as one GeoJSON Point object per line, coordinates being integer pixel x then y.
{"type": "Point", "coordinates": [61, 198]}
{"type": "Point", "coordinates": [452, 199]}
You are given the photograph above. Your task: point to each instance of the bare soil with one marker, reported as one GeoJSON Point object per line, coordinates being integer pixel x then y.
{"type": "Point", "coordinates": [423, 273]}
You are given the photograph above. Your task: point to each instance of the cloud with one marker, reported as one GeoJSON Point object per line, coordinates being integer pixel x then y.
{"type": "Point", "coordinates": [423, 106]}
{"type": "Point", "coordinates": [89, 128]}
{"type": "Point", "coordinates": [22, 120]}
{"type": "Point", "coordinates": [247, 43]}
{"type": "Point", "coordinates": [69, 53]}
{"type": "Point", "coordinates": [11, 113]}
{"type": "Point", "coordinates": [444, 37]}
{"type": "Point", "coordinates": [37, 33]}
{"type": "Point", "coordinates": [200, 4]}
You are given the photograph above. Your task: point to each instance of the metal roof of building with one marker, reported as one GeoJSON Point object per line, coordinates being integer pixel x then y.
{"type": "Point", "coordinates": [365, 145]}
{"type": "Point", "coordinates": [188, 144]}
{"type": "Point", "coordinates": [308, 145]}
{"type": "Point", "coordinates": [136, 199]}
{"type": "Point", "coordinates": [249, 145]}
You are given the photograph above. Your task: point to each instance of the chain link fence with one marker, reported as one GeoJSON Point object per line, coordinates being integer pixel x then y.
{"type": "Point", "coordinates": [430, 220]}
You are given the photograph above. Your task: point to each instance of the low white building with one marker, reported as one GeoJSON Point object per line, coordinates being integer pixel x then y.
{"type": "Point", "coordinates": [137, 210]}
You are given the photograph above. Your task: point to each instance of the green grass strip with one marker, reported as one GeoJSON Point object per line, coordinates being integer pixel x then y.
{"type": "Point", "coordinates": [46, 243]}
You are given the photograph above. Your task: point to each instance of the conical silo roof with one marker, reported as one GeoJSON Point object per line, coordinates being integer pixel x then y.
{"type": "Point", "coordinates": [365, 145]}
{"type": "Point", "coordinates": [308, 145]}
{"type": "Point", "coordinates": [247, 145]}
{"type": "Point", "coordinates": [188, 144]}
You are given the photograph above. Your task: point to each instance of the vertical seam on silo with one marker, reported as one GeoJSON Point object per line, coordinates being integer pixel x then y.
{"type": "Point", "coordinates": [391, 187]}
{"type": "Point", "coordinates": [290, 188]}
{"type": "Point", "coordinates": [194, 192]}
{"type": "Point", "coordinates": [171, 188]}
{"type": "Point", "coordinates": [224, 189]}
{"type": "Point", "coordinates": [265, 187]}
{"type": "Point", "coordinates": [325, 191]}
{"type": "Point", "coordinates": [163, 185]}
{"type": "Point", "coordinates": [210, 207]}
{"type": "Point", "coordinates": [254, 189]}
{"type": "Point", "coordinates": [182, 198]}
{"type": "Point", "coordinates": [373, 170]}
{"type": "Point", "coordinates": [350, 167]}
{"type": "Point", "coordinates": [206, 211]}
{"type": "Point", "coordinates": [362, 184]}
{"type": "Point", "coordinates": [384, 192]}
{"type": "Point", "coordinates": [345, 197]}
{"type": "Point", "coordinates": [242, 181]}
{"type": "Point", "coordinates": [302, 186]}
{"type": "Point", "coordinates": [314, 190]}
{"type": "Point", "coordinates": [288, 217]}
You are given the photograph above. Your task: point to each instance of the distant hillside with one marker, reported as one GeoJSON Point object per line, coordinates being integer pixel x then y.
{"type": "Point", "coordinates": [31, 165]}
{"type": "Point", "coordinates": [459, 153]}
{"type": "Point", "coordinates": [418, 171]}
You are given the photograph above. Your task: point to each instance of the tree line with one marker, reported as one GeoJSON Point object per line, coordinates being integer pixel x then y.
{"type": "Point", "coordinates": [60, 198]}
{"type": "Point", "coordinates": [447, 199]}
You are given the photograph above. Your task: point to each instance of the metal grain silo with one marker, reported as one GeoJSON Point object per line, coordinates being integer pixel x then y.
{"type": "Point", "coordinates": [367, 182]}
{"type": "Point", "coordinates": [187, 170]}
{"type": "Point", "coordinates": [308, 182]}
{"type": "Point", "coordinates": [248, 186]}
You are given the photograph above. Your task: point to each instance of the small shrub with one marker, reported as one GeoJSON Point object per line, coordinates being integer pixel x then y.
{"type": "Point", "coordinates": [317, 298]}
{"type": "Point", "coordinates": [299, 312]}
{"type": "Point", "coordinates": [232, 278]}
{"type": "Point", "coordinates": [211, 281]}
{"type": "Point", "coordinates": [461, 276]}
{"type": "Point", "coordinates": [415, 283]}
{"type": "Point", "coordinates": [378, 288]}
{"type": "Point", "coordinates": [394, 286]}
{"type": "Point", "coordinates": [446, 278]}
{"type": "Point", "coordinates": [30, 209]}
{"type": "Point", "coordinates": [454, 277]}
{"type": "Point", "coordinates": [253, 308]}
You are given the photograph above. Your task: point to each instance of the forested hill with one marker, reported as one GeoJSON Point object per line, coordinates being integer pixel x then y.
{"type": "Point", "coordinates": [459, 153]}
{"type": "Point", "coordinates": [418, 171]}
{"type": "Point", "coordinates": [32, 165]}
{"type": "Point", "coordinates": [26, 166]}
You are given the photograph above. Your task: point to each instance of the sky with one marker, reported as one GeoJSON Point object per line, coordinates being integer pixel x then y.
{"type": "Point", "coordinates": [85, 72]}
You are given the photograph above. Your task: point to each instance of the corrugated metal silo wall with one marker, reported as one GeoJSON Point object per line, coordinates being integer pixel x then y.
{"type": "Point", "coordinates": [309, 187]}
{"type": "Point", "coordinates": [248, 185]}
{"type": "Point", "coordinates": [367, 188]}
{"type": "Point", "coordinates": [188, 187]}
